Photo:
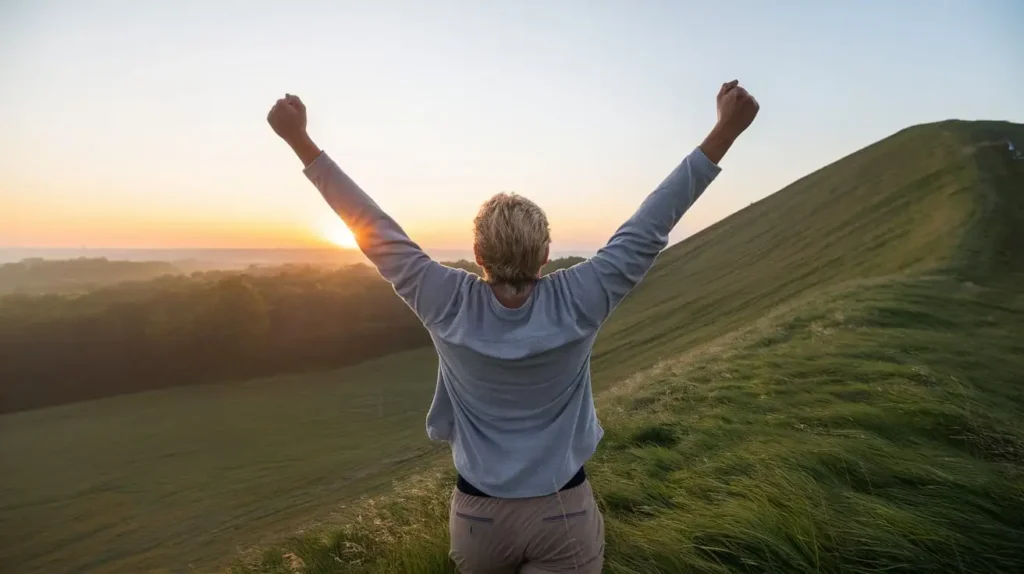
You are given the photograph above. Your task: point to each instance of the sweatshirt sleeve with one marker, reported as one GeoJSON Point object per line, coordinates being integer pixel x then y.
{"type": "Point", "coordinates": [599, 284]}
{"type": "Point", "coordinates": [428, 287]}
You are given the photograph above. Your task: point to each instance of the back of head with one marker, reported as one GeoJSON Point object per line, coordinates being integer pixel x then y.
{"type": "Point", "coordinates": [511, 238]}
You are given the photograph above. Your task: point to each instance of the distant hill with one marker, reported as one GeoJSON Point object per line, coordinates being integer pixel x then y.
{"type": "Point", "coordinates": [550, 267]}
{"type": "Point", "coordinates": [38, 275]}
{"type": "Point", "coordinates": [92, 328]}
{"type": "Point", "coordinates": [178, 330]}
{"type": "Point", "coordinates": [195, 259]}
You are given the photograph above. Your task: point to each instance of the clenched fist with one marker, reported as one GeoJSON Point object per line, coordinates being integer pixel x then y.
{"type": "Point", "coordinates": [736, 108]}
{"type": "Point", "coordinates": [288, 118]}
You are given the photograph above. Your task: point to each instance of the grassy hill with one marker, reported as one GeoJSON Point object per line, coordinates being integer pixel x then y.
{"type": "Point", "coordinates": [932, 198]}
{"type": "Point", "coordinates": [829, 380]}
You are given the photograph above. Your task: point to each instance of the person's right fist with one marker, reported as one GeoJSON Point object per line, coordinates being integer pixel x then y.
{"type": "Point", "coordinates": [288, 118]}
{"type": "Point", "coordinates": [736, 108]}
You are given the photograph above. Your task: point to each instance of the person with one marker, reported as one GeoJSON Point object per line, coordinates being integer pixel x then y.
{"type": "Point", "coordinates": [513, 393]}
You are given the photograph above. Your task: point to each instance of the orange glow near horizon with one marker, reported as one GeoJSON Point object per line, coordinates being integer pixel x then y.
{"type": "Point", "coordinates": [148, 224]}
{"type": "Point", "coordinates": [147, 232]}
{"type": "Point", "coordinates": [335, 231]}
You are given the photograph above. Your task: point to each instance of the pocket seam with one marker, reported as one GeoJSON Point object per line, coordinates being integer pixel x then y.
{"type": "Point", "coordinates": [565, 516]}
{"type": "Point", "coordinates": [474, 518]}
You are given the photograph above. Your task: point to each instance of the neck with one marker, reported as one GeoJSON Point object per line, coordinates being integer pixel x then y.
{"type": "Point", "coordinates": [511, 296]}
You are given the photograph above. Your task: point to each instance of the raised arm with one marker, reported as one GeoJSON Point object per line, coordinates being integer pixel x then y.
{"type": "Point", "coordinates": [428, 287]}
{"type": "Point", "coordinates": [600, 283]}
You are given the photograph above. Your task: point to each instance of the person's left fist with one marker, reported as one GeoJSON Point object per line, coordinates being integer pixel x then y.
{"type": "Point", "coordinates": [288, 118]}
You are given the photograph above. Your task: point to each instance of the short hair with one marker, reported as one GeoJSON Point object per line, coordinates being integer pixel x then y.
{"type": "Point", "coordinates": [511, 238]}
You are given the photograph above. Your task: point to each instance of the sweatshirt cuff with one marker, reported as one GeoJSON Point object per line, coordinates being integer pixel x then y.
{"type": "Point", "coordinates": [317, 165]}
{"type": "Point", "coordinates": [700, 163]}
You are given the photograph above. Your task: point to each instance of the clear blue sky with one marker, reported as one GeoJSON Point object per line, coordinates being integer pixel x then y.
{"type": "Point", "coordinates": [143, 123]}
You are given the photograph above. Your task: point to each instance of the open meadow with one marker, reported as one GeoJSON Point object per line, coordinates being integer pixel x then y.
{"type": "Point", "coordinates": [164, 480]}
{"type": "Point", "coordinates": [830, 380]}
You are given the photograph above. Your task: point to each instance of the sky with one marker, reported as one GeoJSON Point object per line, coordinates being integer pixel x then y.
{"type": "Point", "coordinates": [143, 124]}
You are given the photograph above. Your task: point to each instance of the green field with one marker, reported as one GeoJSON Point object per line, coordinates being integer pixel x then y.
{"type": "Point", "coordinates": [164, 480]}
{"type": "Point", "coordinates": [831, 380]}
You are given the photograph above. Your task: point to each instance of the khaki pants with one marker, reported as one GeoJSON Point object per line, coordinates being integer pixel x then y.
{"type": "Point", "coordinates": [562, 532]}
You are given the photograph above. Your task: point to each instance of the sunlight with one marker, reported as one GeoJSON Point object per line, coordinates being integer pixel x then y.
{"type": "Point", "coordinates": [335, 231]}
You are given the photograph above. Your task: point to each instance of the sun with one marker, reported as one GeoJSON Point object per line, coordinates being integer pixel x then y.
{"type": "Point", "coordinates": [335, 231]}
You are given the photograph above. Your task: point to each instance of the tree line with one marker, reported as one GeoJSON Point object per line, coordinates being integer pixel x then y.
{"type": "Point", "coordinates": [205, 327]}
{"type": "Point", "coordinates": [37, 275]}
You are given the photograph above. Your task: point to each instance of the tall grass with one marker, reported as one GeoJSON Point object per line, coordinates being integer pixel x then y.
{"type": "Point", "coordinates": [878, 429]}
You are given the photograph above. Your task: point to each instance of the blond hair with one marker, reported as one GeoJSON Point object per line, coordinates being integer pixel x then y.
{"type": "Point", "coordinates": [511, 238]}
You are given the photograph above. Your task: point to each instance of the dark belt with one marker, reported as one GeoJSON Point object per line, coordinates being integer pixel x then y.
{"type": "Point", "coordinates": [466, 488]}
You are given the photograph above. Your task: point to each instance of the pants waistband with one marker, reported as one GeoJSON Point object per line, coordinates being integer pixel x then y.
{"type": "Point", "coordinates": [466, 488]}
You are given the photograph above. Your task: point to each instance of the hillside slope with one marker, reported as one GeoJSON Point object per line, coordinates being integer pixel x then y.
{"type": "Point", "coordinates": [923, 199]}
{"type": "Point", "coordinates": [849, 399]}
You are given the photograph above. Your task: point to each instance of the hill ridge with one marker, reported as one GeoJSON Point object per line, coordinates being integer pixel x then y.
{"type": "Point", "coordinates": [910, 204]}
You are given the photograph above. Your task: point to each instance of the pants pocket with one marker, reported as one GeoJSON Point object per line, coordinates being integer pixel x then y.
{"type": "Point", "coordinates": [570, 539]}
{"type": "Point", "coordinates": [477, 543]}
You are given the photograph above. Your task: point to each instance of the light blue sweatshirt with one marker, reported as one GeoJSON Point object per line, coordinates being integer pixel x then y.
{"type": "Point", "coordinates": [513, 395]}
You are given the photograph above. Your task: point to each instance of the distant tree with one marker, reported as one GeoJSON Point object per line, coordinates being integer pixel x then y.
{"type": "Point", "coordinates": [236, 324]}
{"type": "Point", "coordinates": [207, 326]}
{"type": "Point", "coordinates": [36, 275]}
{"type": "Point", "coordinates": [180, 330]}
{"type": "Point", "coordinates": [561, 263]}
{"type": "Point", "coordinates": [553, 265]}
{"type": "Point", "coordinates": [467, 265]}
